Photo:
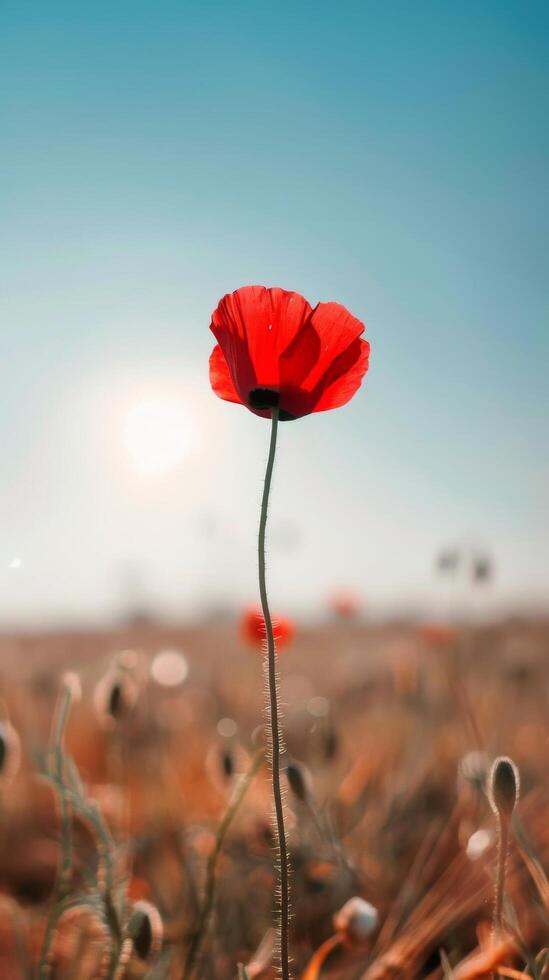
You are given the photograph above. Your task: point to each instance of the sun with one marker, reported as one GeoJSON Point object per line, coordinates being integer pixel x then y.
{"type": "Point", "coordinates": [157, 434]}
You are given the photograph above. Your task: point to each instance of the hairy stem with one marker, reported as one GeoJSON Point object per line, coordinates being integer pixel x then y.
{"type": "Point", "coordinates": [503, 847]}
{"type": "Point", "coordinates": [499, 889]}
{"type": "Point", "coordinates": [274, 729]}
{"type": "Point", "coordinates": [64, 868]}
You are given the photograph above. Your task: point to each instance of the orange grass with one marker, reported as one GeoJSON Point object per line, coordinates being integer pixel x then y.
{"type": "Point", "coordinates": [392, 816]}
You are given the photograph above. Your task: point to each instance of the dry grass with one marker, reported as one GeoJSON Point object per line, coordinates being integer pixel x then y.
{"type": "Point", "coordinates": [387, 815]}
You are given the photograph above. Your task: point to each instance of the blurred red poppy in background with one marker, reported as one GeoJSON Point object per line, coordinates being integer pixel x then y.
{"type": "Point", "coordinates": [437, 635]}
{"type": "Point", "coordinates": [345, 604]}
{"type": "Point", "coordinates": [275, 350]}
{"type": "Point", "coordinates": [252, 628]}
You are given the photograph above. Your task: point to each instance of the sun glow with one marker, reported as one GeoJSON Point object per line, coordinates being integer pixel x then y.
{"type": "Point", "coordinates": [157, 434]}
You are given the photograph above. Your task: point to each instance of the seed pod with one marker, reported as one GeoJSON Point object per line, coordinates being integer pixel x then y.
{"type": "Point", "coordinates": [258, 736]}
{"type": "Point", "coordinates": [356, 920]}
{"type": "Point", "coordinates": [504, 786]}
{"type": "Point", "coordinates": [145, 930]}
{"type": "Point", "coordinates": [114, 697]}
{"type": "Point", "coordinates": [72, 681]}
{"type": "Point", "coordinates": [227, 763]}
{"type": "Point", "coordinates": [3, 750]}
{"type": "Point", "coordinates": [10, 752]}
{"type": "Point", "coordinates": [297, 780]}
{"type": "Point", "coordinates": [330, 743]}
{"type": "Point", "coordinates": [115, 700]}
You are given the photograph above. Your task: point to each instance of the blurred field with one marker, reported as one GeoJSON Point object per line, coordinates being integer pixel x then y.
{"type": "Point", "coordinates": [383, 720]}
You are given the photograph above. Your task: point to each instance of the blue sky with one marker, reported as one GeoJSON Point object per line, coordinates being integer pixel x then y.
{"type": "Point", "coordinates": [390, 156]}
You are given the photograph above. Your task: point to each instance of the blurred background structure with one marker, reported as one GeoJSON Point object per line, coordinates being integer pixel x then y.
{"type": "Point", "coordinates": [154, 156]}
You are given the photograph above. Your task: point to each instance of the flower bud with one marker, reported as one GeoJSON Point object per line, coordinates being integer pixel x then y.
{"type": "Point", "coordinates": [227, 763]}
{"type": "Point", "coordinates": [115, 703]}
{"type": "Point", "coordinates": [298, 781]}
{"type": "Point", "coordinates": [330, 743]}
{"type": "Point", "coordinates": [145, 930]}
{"type": "Point", "coordinates": [10, 752]}
{"type": "Point", "coordinates": [71, 680]}
{"type": "Point", "coordinates": [504, 786]}
{"type": "Point", "coordinates": [115, 696]}
{"type": "Point", "coordinates": [356, 920]}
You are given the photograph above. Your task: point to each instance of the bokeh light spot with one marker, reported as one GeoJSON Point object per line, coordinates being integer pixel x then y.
{"type": "Point", "coordinates": [169, 668]}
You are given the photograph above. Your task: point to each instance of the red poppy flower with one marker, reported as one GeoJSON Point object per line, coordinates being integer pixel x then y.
{"type": "Point", "coordinates": [252, 628]}
{"type": "Point", "coordinates": [345, 604]}
{"type": "Point", "coordinates": [274, 349]}
{"type": "Point", "coordinates": [437, 635]}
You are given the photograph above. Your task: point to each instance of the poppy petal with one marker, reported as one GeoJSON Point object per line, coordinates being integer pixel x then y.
{"type": "Point", "coordinates": [324, 366]}
{"type": "Point", "coordinates": [344, 377]}
{"type": "Point", "coordinates": [220, 377]}
{"type": "Point", "coordinates": [336, 329]}
{"type": "Point", "coordinates": [254, 326]}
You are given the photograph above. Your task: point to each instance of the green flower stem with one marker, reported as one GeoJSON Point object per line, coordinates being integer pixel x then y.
{"type": "Point", "coordinates": [274, 731]}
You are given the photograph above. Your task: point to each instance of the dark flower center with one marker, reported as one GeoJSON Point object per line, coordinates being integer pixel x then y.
{"type": "Point", "coordinates": [263, 398]}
